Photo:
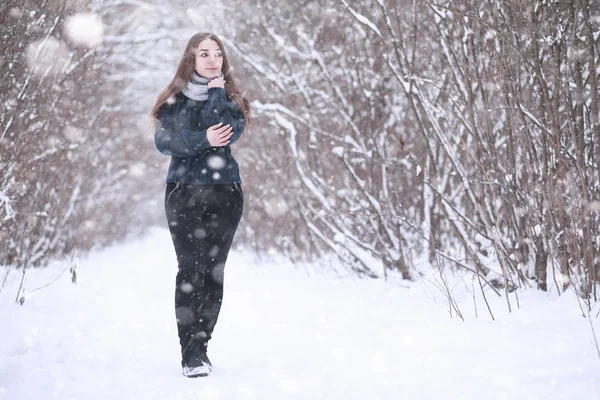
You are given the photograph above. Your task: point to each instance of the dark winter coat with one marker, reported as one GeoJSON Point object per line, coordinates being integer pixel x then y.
{"type": "Point", "coordinates": [181, 134]}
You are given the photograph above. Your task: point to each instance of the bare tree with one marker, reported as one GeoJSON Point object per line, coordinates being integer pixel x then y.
{"type": "Point", "coordinates": [464, 130]}
{"type": "Point", "coordinates": [65, 146]}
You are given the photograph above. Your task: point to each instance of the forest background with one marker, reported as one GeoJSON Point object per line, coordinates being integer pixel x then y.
{"type": "Point", "coordinates": [392, 136]}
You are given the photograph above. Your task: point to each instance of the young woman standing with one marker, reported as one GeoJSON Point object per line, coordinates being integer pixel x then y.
{"type": "Point", "coordinates": [199, 115]}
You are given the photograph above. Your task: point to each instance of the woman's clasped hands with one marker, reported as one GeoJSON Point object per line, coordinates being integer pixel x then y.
{"type": "Point", "coordinates": [218, 135]}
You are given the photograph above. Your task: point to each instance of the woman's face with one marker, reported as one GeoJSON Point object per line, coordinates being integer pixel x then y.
{"type": "Point", "coordinates": [209, 59]}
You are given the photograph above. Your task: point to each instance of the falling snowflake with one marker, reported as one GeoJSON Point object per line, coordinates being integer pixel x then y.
{"type": "Point", "coordinates": [137, 170]}
{"type": "Point", "coordinates": [73, 134]}
{"type": "Point", "coordinates": [186, 287]}
{"type": "Point", "coordinates": [84, 29]}
{"type": "Point", "coordinates": [200, 233]}
{"type": "Point", "coordinates": [216, 162]}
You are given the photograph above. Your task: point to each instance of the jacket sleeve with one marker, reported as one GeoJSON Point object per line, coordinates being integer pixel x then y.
{"type": "Point", "coordinates": [171, 141]}
{"type": "Point", "coordinates": [219, 109]}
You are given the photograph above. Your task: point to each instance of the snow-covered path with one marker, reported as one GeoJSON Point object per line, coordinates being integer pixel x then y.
{"type": "Point", "coordinates": [282, 335]}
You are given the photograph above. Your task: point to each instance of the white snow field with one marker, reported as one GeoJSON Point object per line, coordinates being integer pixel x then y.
{"type": "Point", "coordinates": [284, 333]}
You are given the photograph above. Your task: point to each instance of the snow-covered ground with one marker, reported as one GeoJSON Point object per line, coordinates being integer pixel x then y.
{"type": "Point", "coordinates": [283, 333]}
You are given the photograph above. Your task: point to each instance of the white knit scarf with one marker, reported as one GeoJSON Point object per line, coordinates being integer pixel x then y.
{"type": "Point", "coordinates": [197, 87]}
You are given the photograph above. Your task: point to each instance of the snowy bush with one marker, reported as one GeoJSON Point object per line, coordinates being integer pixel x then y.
{"type": "Point", "coordinates": [494, 104]}
{"type": "Point", "coordinates": [64, 147]}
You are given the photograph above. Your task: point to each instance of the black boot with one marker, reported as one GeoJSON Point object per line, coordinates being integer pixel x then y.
{"type": "Point", "coordinates": [197, 366]}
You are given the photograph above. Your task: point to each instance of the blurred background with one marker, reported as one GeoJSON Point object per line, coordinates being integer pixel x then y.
{"type": "Point", "coordinates": [390, 136]}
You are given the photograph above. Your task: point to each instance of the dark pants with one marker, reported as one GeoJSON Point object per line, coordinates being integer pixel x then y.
{"type": "Point", "coordinates": [202, 220]}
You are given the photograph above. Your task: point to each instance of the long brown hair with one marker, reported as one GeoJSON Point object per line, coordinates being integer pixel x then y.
{"type": "Point", "coordinates": [186, 69]}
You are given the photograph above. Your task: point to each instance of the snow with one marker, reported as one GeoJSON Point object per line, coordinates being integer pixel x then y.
{"type": "Point", "coordinates": [362, 19]}
{"type": "Point", "coordinates": [5, 203]}
{"type": "Point", "coordinates": [85, 29]}
{"type": "Point", "coordinates": [73, 134]}
{"type": "Point", "coordinates": [15, 13]}
{"type": "Point", "coordinates": [137, 170]}
{"type": "Point", "coordinates": [283, 333]}
{"type": "Point", "coordinates": [216, 161]}
{"type": "Point", "coordinates": [373, 264]}
{"type": "Point", "coordinates": [275, 206]}
{"type": "Point", "coordinates": [47, 56]}
{"type": "Point", "coordinates": [338, 151]}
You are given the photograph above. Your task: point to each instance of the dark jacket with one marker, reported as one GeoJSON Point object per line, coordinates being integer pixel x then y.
{"type": "Point", "coordinates": [181, 134]}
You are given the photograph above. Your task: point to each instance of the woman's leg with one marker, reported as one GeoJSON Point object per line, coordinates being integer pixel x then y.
{"type": "Point", "coordinates": [202, 220]}
{"type": "Point", "coordinates": [224, 210]}
{"type": "Point", "coordinates": [183, 217]}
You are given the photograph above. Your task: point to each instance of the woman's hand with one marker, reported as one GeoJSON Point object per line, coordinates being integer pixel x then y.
{"type": "Point", "coordinates": [218, 135]}
{"type": "Point", "coordinates": [217, 82]}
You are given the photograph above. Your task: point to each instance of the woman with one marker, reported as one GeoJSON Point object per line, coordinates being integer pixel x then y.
{"type": "Point", "coordinates": [199, 115]}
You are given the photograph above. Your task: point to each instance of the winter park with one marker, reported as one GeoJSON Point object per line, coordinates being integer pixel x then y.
{"type": "Point", "coordinates": [333, 199]}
